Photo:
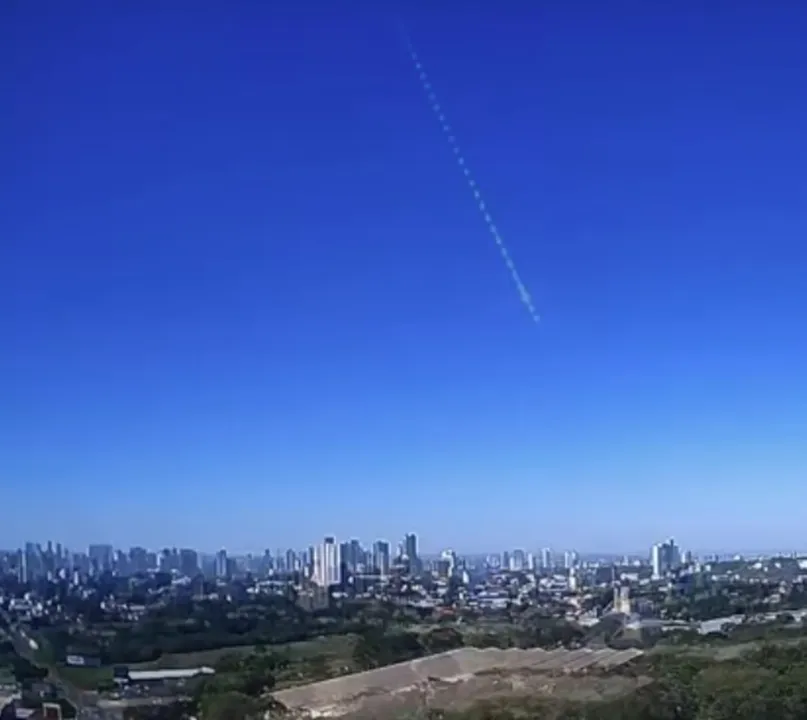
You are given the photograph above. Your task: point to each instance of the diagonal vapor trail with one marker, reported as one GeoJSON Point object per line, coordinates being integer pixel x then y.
{"type": "Point", "coordinates": [448, 133]}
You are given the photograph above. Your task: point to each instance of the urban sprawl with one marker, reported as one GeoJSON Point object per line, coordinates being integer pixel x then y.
{"type": "Point", "coordinates": [347, 630]}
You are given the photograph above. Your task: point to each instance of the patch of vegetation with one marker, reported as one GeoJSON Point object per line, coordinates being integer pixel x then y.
{"type": "Point", "coordinates": [22, 669]}
{"type": "Point", "coordinates": [86, 678]}
{"type": "Point", "coordinates": [182, 625]}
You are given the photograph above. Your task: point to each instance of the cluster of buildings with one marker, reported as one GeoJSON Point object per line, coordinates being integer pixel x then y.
{"type": "Point", "coordinates": [667, 557]}
{"type": "Point", "coordinates": [332, 562]}
{"type": "Point", "coordinates": [326, 564]}
{"type": "Point", "coordinates": [523, 561]}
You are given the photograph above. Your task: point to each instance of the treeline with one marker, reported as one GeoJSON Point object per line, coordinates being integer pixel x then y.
{"type": "Point", "coordinates": [195, 626]}
{"type": "Point", "coordinates": [185, 625]}
{"type": "Point", "coordinates": [530, 632]}
{"type": "Point", "coordinates": [694, 604]}
{"type": "Point", "coordinates": [25, 672]}
{"type": "Point", "coordinates": [785, 627]}
{"type": "Point", "coordinates": [376, 648]}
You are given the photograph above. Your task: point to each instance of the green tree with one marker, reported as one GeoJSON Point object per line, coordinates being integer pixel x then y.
{"type": "Point", "coordinates": [442, 639]}
{"type": "Point", "coordinates": [230, 706]}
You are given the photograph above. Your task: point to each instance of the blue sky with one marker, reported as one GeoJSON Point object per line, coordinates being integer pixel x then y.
{"type": "Point", "coordinates": [247, 299]}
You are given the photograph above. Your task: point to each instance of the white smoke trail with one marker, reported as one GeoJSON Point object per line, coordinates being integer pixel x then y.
{"type": "Point", "coordinates": [523, 293]}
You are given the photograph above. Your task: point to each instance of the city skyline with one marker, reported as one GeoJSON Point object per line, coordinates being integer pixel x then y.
{"type": "Point", "coordinates": [330, 563]}
{"type": "Point", "coordinates": [244, 293]}
{"type": "Point", "coordinates": [395, 546]}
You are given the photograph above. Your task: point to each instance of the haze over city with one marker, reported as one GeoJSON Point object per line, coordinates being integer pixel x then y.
{"type": "Point", "coordinates": [246, 300]}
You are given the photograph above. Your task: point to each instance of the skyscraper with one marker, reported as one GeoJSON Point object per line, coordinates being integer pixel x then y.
{"type": "Point", "coordinates": [381, 557]}
{"type": "Point", "coordinates": [222, 567]}
{"type": "Point", "coordinates": [351, 555]}
{"type": "Point", "coordinates": [23, 571]}
{"type": "Point", "coordinates": [665, 557]}
{"type": "Point", "coordinates": [410, 548]}
{"type": "Point", "coordinates": [188, 562]}
{"type": "Point", "coordinates": [327, 562]}
{"type": "Point", "coordinates": [657, 560]}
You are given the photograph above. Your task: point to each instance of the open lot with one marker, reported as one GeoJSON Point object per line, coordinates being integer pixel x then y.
{"type": "Point", "coordinates": [460, 678]}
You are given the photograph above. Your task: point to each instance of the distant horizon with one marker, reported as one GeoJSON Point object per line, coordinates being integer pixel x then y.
{"type": "Point", "coordinates": [556, 551]}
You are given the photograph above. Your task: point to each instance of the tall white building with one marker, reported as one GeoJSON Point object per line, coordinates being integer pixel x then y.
{"type": "Point", "coordinates": [656, 560]}
{"type": "Point", "coordinates": [449, 557]}
{"type": "Point", "coordinates": [665, 557]}
{"type": "Point", "coordinates": [327, 563]}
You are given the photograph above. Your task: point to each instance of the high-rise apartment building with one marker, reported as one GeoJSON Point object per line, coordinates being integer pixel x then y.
{"type": "Point", "coordinates": [352, 556]}
{"type": "Point", "coordinates": [411, 546]}
{"type": "Point", "coordinates": [381, 557]}
{"type": "Point", "coordinates": [665, 557]}
{"type": "Point", "coordinates": [327, 563]}
{"type": "Point", "coordinates": [410, 550]}
{"type": "Point", "coordinates": [101, 557]}
{"type": "Point", "coordinates": [138, 559]}
{"type": "Point", "coordinates": [188, 562]}
{"type": "Point", "coordinates": [222, 566]}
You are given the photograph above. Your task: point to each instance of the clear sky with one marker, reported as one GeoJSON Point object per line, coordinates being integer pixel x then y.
{"type": "Point", "coordinates": [246, 299]}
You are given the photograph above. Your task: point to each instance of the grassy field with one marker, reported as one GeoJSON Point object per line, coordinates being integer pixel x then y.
{"type": "Point", "coordinates": [333, 647]}
{"type": "Point", "coordinates": [85, 678]}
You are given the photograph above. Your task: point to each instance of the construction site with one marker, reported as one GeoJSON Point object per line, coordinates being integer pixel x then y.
{"type": "Point", "coordinates": [460, 678]}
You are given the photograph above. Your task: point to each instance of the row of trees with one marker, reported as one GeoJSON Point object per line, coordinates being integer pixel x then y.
{"type": "Point", "coordinates": [377, 648]}
{"type": "Point", "coordinates": [187, 625]}
{"type": "Point", "coordinates": [736, 598]}
{"type": "Point", "coordinates": [210, 625]}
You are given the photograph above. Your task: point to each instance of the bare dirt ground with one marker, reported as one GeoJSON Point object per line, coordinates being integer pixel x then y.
{"type": "Point", "coordinates": [463, 695]}
{"type": "Point", "coordinates": [461, 678]}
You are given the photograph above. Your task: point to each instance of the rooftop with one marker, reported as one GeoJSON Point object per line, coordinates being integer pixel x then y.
{"type": "Point", "coordinates": [179, 674]}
